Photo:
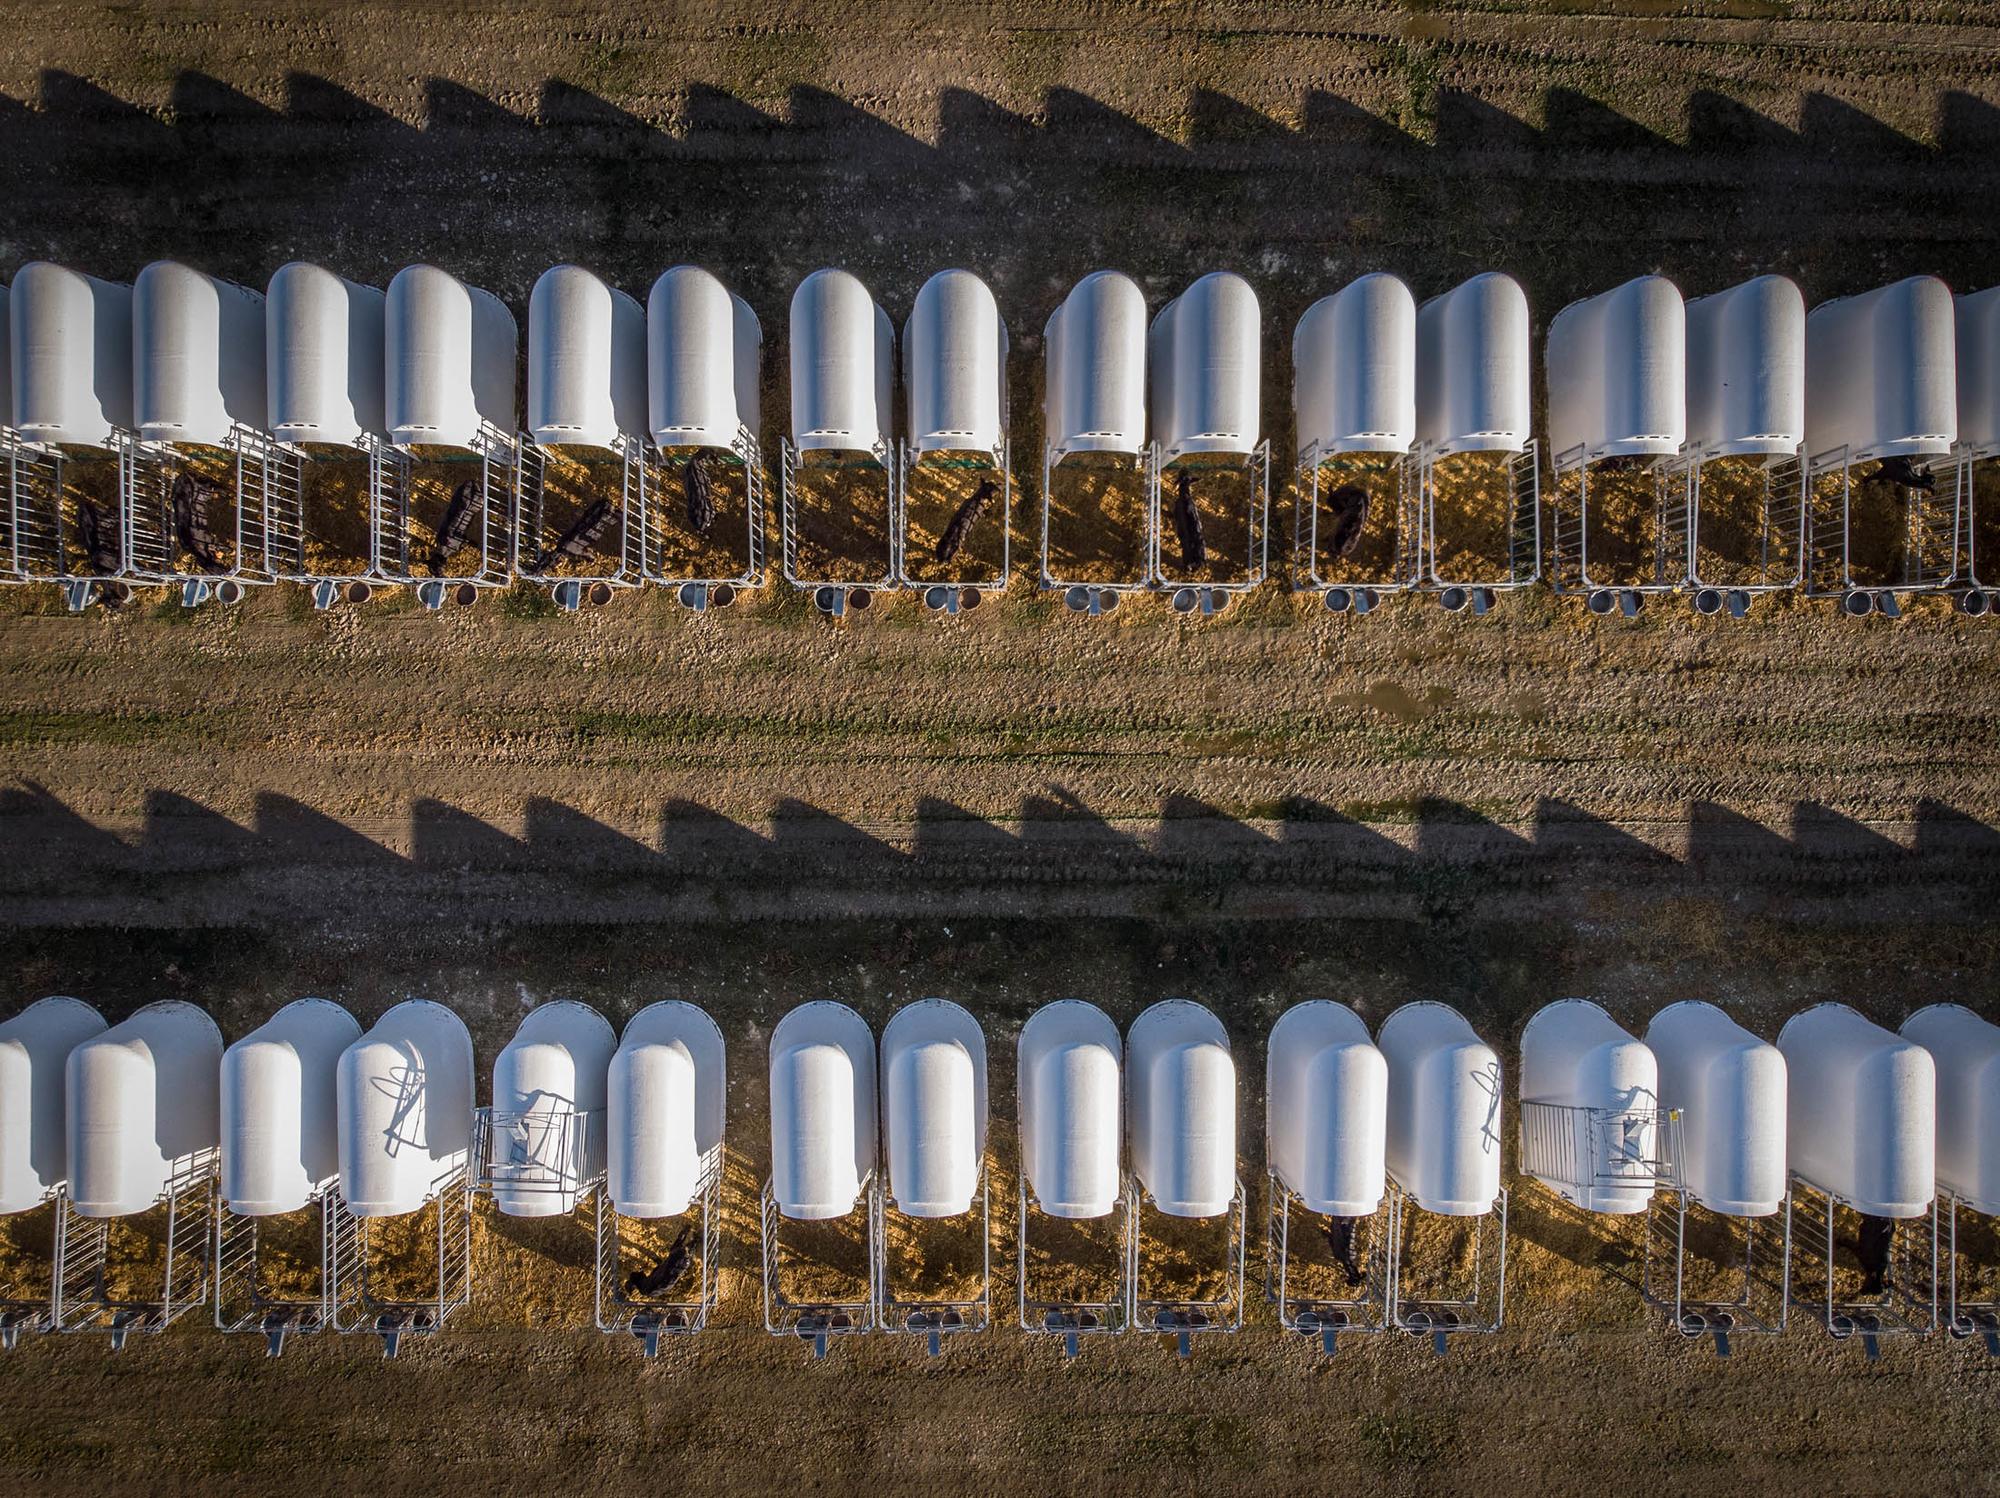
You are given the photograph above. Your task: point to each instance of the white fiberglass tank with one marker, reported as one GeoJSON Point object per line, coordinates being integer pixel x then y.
{"type": "Point", "coordinates": [1966, 1052]}
{"type": "Point", "coordinates": [323, 357]}
{"type": "Point", "coordinates": [547, 1137]}
{"type": "Point", "coordinates": [1472, 368]}
{"type": "Point", "coordinates": [934, 1107]}
{"type": "Point", "coordinates": [704, 361]}
{"type": "Point", "coordinates": [586, 361]}
{"type": "Point", "coordinates": [823, 1110]}
{"type": "Point", "coordinates": [666, 1104]}
{"type": "Point", "coordinates": [1354, 370]}
{"type": "Point", "coordinates": [34, 1053]}
{"type": "Point", "coordinates": [70, 351]}
{"type": "Point", "coordinates": [1069, 1059]}
{"type": "Point", "coordinates": [280, 1114]}
{"type": "Point", "coordinates": [1181, 1108]}
{"type": "Point", "coordinates": [1094, 348]}
{"type": "Point", "coordinates": [1730, 1088]}
{"type": "Point", "coordinates": [1862, 1114]}
{"type": "Point", "coordinates": [197, 356]}
{"type": "Point", "coordinates": [6, 361]}
{"type": "Point", "coordinates": [449, 360]}
{"type": "Point", "coordinates": [1579, 1058]}
{"type": "Point", "coordinates": [141, 1100]}
{"type": "Point", "coordinates": [1326, 1109]}
{"type": "Point", "coordinates": [955, 366]}
{"type": "Point", "coordinates": [1207, 365]}
{"type": "Point", "coordinates": [1444, 1110]}
{"type": "Point", "coordinates": [1881, 372]}
{"type": "Point", "coordinates": [1746, 370]}
{"type": "Point", "coordinates": [405, 1109]}
{"type": "Point", "coordinates": [843, 365]}
{"type": "Point", "coordinates": [1977, 319]}
{"type": "Point", "coordinates": [1617, 367]}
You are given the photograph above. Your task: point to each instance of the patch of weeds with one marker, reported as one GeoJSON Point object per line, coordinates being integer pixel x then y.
{"type": "Point", "coordinates": [1405, 1439]}
{"type": "Point", "coordinates": [528, 601]}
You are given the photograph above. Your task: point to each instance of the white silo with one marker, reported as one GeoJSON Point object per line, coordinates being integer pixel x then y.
{"type": "Point", "coordinates": [142, 1107]}
{"type": "Point", "coordinates": [545, 1130]}
{"type": "Point", "coordinates": [667, 1104]}
{"type": "Point", "coordinates": [405, 1110]}
{"type": "Point", "coordinates": [934, 1107]}
{"type": "Point", "coordinates": [1862, 1111]}
{"type": "Point", "coordinates": [1729, 1088]}
{"type": "Point", "coordinates": [1590, 1113]}
{"type": "Point", "coordinates": [1326, 1109]}
{"type": "Point", "coordinates": [1965, 1050]}
{"type": "Point", "coordinates": [34, 1054]}
{"type": "Point", "coordinates": [280, 1112]}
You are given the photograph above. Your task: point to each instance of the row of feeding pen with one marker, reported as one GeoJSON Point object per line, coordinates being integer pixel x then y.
{"type": "Point", "coordinates": [1848, 1172]}
{"type": "Point", "coordinates": [1718, 448]}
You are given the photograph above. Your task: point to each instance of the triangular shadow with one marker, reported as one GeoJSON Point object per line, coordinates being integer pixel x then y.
{"type": "Point", "coordinates": [1822, 832]}
{"type": "Point", "coordinates": [706, 110]}
{"type": "Point", "coordinates": [697, 839]}
{"type": "Point", "coordinates": [1718, 836]}
{"type": "Point", "coordinates": [1565, 830]}
{"type": "Point", "coordinates": [563, 105]}
{"type": "Point", "coordinates": [1215, 119]}
{"type": "Point", "coordinates": [1467, 123]}
{"type": "Point", "coordinates": [443, 837]}
{"type": "Point", "coordinates": [1058, 824]}
{"type": "Point", "coordinates": [184, 833]}
{"type": "Point", "coordinates": [66, 96]}
{"type": "Point", "coordinates": [36, 826]}
{"type": "Point", "coordinates": [1576, 122]}
{"type": "Point", "coordinates": [1337, 837]}
{"type": "Point", "coordinates": [1945, 831]}
{"type": "Point", "coordinates": [1451, 832]}
{"type": "Point", "coordinates": [300, 833]}
{"type": "Point", "coordinates": [1191, 829]}
{"type": "Point", "coordinates": [1330, 120]}
{"type": "Point", "coordinates": [312, 99]}
{"type": "Point", "coordinates": [453, 106]}
{"type": "Point", "coordinates": [1848, 132]}
{"type": "Point", "coordinates": [813, 111]}
{"type": "Point", "coordinates": [808, 839]}
{"type": "Point", "coordinates": [196, 98]}
{"type": "Point", "coordinates": [1968, 126]}
{"type": "Point", "coordinates": [1721, 126]}
{"type": "Point", "coordinates": [947, 834]}
{"type": "Point", "coordinates": [974, 127]}
{"type": "Point", "coordinates": [559, 836]}
{"type": "Point", "coordinates": [1074, 122]}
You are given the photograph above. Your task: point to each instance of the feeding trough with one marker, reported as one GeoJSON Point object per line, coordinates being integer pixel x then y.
{"type": "Point", "coordinates": [1326, 1119]}
{"type": "Point", "coordinates": [1482, 511]}
{"type": "Point", "coordinates": [1448, 1222]}
{"type": "Point", "coordinates": [1354, 397]}
{"type": "Point", "coordinates": [578, 489]}
{"type": "Point", "coordinates": [704, 474]}
{"type": "Point", "coordinates": [443, 490]}
{"type": "Point", "coordinates": [934, 1127]}
{"type": "Point", "coordinates": [1977, 455]}
{"type": "Point", "coordinates": [838, 502]}
{"type": "Point", "coordinates": [34, 1150]}
{"type": "Point", "coordinates": [142, 1129]}
{"type": "Point", "coordinates": [69, 342]}
{"type": "Point", "coordinates": [1096, 501]}
{"type": "Point", "coordinates": [956, 466]}
{"type": "Point", "coordinates": [1965, 1050]}
{"type": "Point", "coordinates": [666, 1104]}
{"type": "Point", "coordinates": [280, 1169]}
{"type": "Point", "coordinates": [1862, 1129]}
{"type": "Point", "coordinates": [1209, 467]}
{"type": "Point", "coordinates": [1882, 510]}
{"type": "Point", "coordinates": [1718, 1236]}
{"type": "Point", "coordinates": [823, 1156]}
{"type": "Point", "coordinates": [404, 1111]}
{"type": "Point", "coordinates": [1617, 420]}
{"type": "Point", "coordinates": [1072, 1172]}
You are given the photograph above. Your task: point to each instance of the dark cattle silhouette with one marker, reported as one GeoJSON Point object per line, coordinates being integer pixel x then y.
{"type": "Point", "coordinates": [699, 490]}
{"type": "Point", "coordinates": [1624, 463]}
{"type": "Point", "coordinates": [663, 1275]}
{"type": "Point", "coordinates": [580, 540]}
{"type": "Point", "coordinates": [1349, 504]}
{"type": "Point", "coordinates": [188, 499]}
{"type": "Point", "coordinates": [1878, 1237]}
{"type": "Point", "coordinates": [1906, 473]}
{"type": "Point", "coordinates": [98, 536]}
{"type": "Point", "coordinates": [1187, 522]}
{"type": "Point", "coordinates": [963, 519]}
{"type": "Point", "coordinates": [1340, 1238]}
{"type": "Point", "coordinates": [455, 526]}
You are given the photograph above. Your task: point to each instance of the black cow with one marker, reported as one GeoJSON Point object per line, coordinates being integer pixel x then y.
{"type": "Point", "coordinates": [580, 540]}
{"type": "Point", "coordinates": [188, 498]}
{"type": "Point", "coordinates": [1349, 504]}
{"type": "Point", "coordinates": [663, 1275]}
{"type": "Point", "coordinates": [699, 490]}
{"type": "Point", "coordinates": [1340, 1238]}
{"type": "Point", "coordinates": [963, 519]}
{"type": "Point", "coordinates": [1187, 522]}
{"type": "Point", "coordinates": [455, 526]}
{"type": "Point", "coordinates": [1905, 473]}
{"type": "Point", "coordinates": [1878, 1237]}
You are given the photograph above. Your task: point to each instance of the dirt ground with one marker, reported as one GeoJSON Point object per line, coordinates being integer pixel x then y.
{"type": "Point", "coordinates": [497, 805]}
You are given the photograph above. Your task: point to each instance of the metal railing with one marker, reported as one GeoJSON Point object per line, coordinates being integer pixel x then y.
{"type": "Point", "coordinates": [1576, 1150]}
{"type": "Point", "coordinates": [1209, 596]}
{"type": "Point", "coordinates": [938, 594]}
{"type": "Point", "coordinates": [533, 534]}
{"type": "Point", "coordinates": [933, 1319]}
{"type": "Point", "coordinates": [242, 1303]}
{"type": "Point", "coordinates": [1748, 1288]}
{"type": "Point", "coordinates": [1186, 1317]}
{"type": "Point", "coordinates": [1671, 532]}
{"type": "Point", "coordinates": [1779, 562]}
{"type": "Point", "coordinates": [537, 1151]}
{"type": "Point", "coordinates": [815, 1319]}
{"type": "Point", "coordinates": [1406, 517]}
{"type": "Point", "coordinates": [1472, 1300]}
{"type": "Point", "coordinates": [1324, 1316]}
{"type": "Point", "coordinates": [790, 493]}
{"type": "Point", "coordinates": [745, 454]}
{"type": "Point", "coordinates": [1097, 598]}
{"type": "Point", "coordinates": [1903, 1300]}
{"type": "Point", "coordinates": [1929, 524]}
{"type": "Point", "coordinates": [85, 1298]}
{"type": "Point", "coordinates": [1524, 533]}
{"type": "Point", "coordinates": [20, 1310]}
{"type": "Point", "coordinates": [1972, 1305]}
{"type": "Point", "coordinates": [621, 1309]}
{"type": "Point", "coordinates": [358, 1307]}
{"type": "Point", "coordinates": [495, 455]}
{"type": "Point", "coordinates": [1068, 1318]}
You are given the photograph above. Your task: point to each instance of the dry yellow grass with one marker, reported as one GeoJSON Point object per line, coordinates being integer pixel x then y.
{"type": "Point", "coordinates": [1474, 508]}
{"type": "Point", "coordinates": [934, 487]}
{"type": "Point", "coordinates": [1378, 475]}
{"type": "Point", "coordinates": [841, 504]}
{"type": "Point", "coordinates": [1097, 519]}
{"type": "Point", "coordinates": [724, 551]}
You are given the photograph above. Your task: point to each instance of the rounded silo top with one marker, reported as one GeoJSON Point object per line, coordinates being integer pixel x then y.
{"type": "Point", "coordinates": [34, 1055]}
{"type": "Point", "coordinates": [1354, 370]}
{"type": "Point", "coordinates": [934, 1107]}
{"type": "Point", "coordinates": [1746, 370]}
{"type": "Point", "coordinates": [1205, 353]}
{"type": "Point", "coordinates": [1182, 1108]}
{"type": "Point", "coordinates": [1731, 1092]}
{"type": "Point", "coordinates": [955, 366]}
{"type": "Point", "coordinates": [1576, 1056]}
{"type": "Point", "coordinates": [1617, 367]}
{"type": "Point", "coordinates": [823, 1110]}
{"type": "Point", "coordinates": [842, 365]}
{"type": "Point", "coordinates": [280, 1135]}
{"type": "Point", "coordinates": [547, 1134]}
{"type": "Point", "coordinates": [586, 361]}
{"type": "Point", "coordinates": [1444, 1110]}
{"type": "Point", "coordinates": [1094, 348]}
{"type": "Point", "coordinates": [141, 1099]}
{"type": "Point", "coordinates": [1069, 1059]}
{"type": "Point", "coordinates": [1326, 1108]}
{"type": "Point", "coordinates": [449, 366]}
{"type": "Point", "coordinates": [1882, 371]}
{"type": "Point", "coordinates": [197, 356]}
{"type": "Point", "coordinates": [1977, 319]}
{"type": "Point", "coordinates": [323, 356]}
{"type": "Point", "coordinates": [1965, 1049]}
{"type": "Point", "coordinates": [1472, 367]}
{"type": "Point", "coordinates": [666, 1103]}
{"type": "Point", "coordinates": [405, 1109]}
{"type": "Point", "coordinates": [705, 353]}
{"type": "Point", "coordinates": [1861, 1111]}
{"type": "Point", "coordinates": [70, 350]}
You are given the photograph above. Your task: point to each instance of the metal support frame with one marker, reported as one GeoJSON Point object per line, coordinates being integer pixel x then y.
{"type": "Point", "coordinates": [1479, 1306]}
{"type": "Point", "coordinates": [1971, 1312]}
{"type": "Point", "coordinates": [817, 1321]}
{"type": "Point", "coordinates": [945, 597]}
{"type": "Point", "coordinates": [82, 1299]}
{"type": "Point", "coordinates": [531, 531]}
{"type": "Point", "coordinates": [536, 1152]}
{"type": "Point", "coordinates": [278, 472]}
{"type": "Point", "coordinates": [390, 475]}
{"type": "Point", "coordinates": [1088, 597]}
{"type": "Point", "coordinates": [146, 472]}
{"type": "Point", "coordinates": [1931, 528]}
{"type": "Point", "coordinates": [1180, 1318]}
{"type": "Point", "coordinates": [1907, 1304]}
{"type": "Point", "coordinates": [36, 547]}
{"type": "Point", "coordinates": [933, 1320]}
{"type": "Point", "coordinates": [1756, 1293]}
{"type": "Point", "coordinates": [1573, 1149]}
{"type": "Point", "coordinates": [1524, 533]}
{"type": "Point", "coordinates": [1209, 598]}
{"type": "Point", "coordinates": [828, 590]}
{"type": "Point", "coordinates": [240, 1302]}
{"type": "Point", "coordinates": [699, 592]}
{"type": "Point", "coordinates": [392, 1319]}
{"type": "Point", "coordinates": [649, 1318]}
{"type": "Point", "coordinates": [1073, 1320]}
{"type": "Point", "coordinates": [1976, 596]}
{"type": "Point", "coordinates": [1405, 568]}
{"type": "Point", "coordinates": [1673, 535]}
{"type": "Point", "coordinates": [21, 1312]}
{"type": "Point", "coordinates": [1780, 562]}
{"type": "Point", "coordinates": [1325, 1317]}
